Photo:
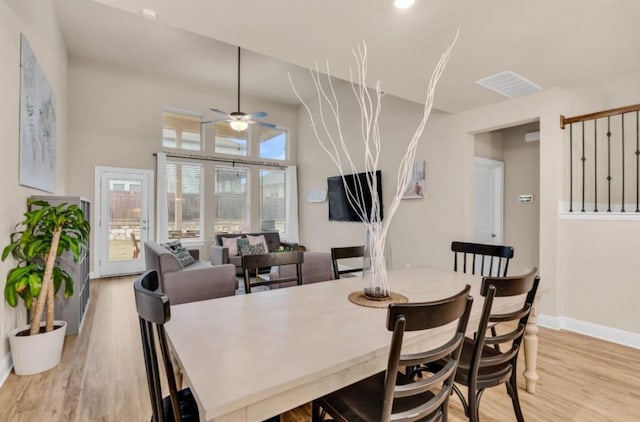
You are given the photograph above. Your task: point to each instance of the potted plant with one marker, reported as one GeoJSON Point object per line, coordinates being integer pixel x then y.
{"type": "Point", "coordinates": [46, 233]}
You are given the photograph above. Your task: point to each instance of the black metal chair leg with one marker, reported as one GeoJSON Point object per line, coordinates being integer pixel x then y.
{"type": "Point", "coordinates": [512, 388]}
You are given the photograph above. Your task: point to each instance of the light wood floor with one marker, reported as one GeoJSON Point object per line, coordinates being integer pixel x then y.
{"type": "Point", "coordinates": [102, 378]}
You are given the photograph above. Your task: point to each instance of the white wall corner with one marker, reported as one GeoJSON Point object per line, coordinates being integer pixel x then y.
{"type": "Point", "coordinates": [613, 335]}
{"type": "Point", "coordinates": [6, 365]}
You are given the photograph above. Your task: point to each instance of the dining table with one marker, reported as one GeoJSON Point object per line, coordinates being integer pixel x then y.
{"type": "Point", "coordinates": [250, 357]}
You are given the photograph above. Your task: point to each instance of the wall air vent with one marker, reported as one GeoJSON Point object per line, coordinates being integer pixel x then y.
{"type": "Point", "coordinates": [509, 84]}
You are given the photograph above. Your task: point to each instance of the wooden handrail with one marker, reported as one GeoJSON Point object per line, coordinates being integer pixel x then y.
{"type": "Point", "coordinates": [597, 115]}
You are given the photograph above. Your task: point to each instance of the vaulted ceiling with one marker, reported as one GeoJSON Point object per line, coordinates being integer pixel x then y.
{"type": "Point", "coordinates": [553, 43]}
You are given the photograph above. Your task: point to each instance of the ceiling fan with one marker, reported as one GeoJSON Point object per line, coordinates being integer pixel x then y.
{"type": "Point", "coordinates": [238, 120]}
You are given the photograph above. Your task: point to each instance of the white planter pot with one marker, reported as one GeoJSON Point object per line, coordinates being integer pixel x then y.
{"type": "Point", "coordinates": [34, 354]}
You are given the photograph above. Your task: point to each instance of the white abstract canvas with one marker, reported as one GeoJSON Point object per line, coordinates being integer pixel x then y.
{"type": "Point", "coordinates": [37, 124]}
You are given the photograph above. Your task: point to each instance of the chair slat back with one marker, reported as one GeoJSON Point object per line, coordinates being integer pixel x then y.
{"type": "Point", "coordinates": [252, 263]}
{"type": "Point", "coordinates": [492, 260]}
{"type": "Point", "coordinates": [424, 316]}
{"type": "Point", "coordinates": [154, 311]}
{"type": "Point", "coordinates": [509, 328]}
{"type": "Point", "coordinates": [345, 252]}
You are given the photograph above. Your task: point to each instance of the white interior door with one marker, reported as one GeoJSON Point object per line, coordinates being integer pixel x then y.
{"type": "Point", "coordinates": [123, 214]}
{"type": "Point", "coordinates": [488, 193]}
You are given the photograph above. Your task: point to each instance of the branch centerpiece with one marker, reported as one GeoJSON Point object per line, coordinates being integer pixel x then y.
{"type": "Point", "coordinates": [327, 129]}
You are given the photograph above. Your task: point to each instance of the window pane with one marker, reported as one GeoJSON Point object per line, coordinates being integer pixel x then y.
{"type": "Point", "coordinates": [190, 140]}
{"type": "Point", "coordinates": [168, 138]}
{"type": "Point", "coordinates": [272, 200]}
{"type": "Point", "coordinates": [232, 203]}
{"type": "Point", "coordinates": [184, 187]}
{"type": "Point", "coordinates": [181, 131]}
{"type": "Point", "coordinates": [229, 141]}
{"type": "Point", "coordinates": [273, 143]}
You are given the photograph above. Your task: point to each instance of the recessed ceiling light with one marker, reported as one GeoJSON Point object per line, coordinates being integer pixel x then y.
{"type": "Point", "coordinates": [149, 14]}
{"type": "Point", "coordinates": [403, 4]}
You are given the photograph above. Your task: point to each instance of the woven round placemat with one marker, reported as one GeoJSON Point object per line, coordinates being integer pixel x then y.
{"type": "Point", "coordinates": [359, 298]}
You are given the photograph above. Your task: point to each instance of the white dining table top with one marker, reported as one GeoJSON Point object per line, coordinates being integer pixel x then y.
{"type": "Point", "coordinates": [251, 356]}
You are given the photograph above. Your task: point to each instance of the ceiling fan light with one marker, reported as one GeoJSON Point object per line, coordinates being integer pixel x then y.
{"type": "Point", "coordinates": [403, 4]}
{"type": "Point", "coordinates": [238, 125]}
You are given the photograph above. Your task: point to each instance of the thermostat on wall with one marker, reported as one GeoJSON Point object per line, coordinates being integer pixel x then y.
{"type": "Point", "coordinates": [526, 199]}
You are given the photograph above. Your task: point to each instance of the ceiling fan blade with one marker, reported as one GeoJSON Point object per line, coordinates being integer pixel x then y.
{"type": "Point", "coordinates": [257, 115]}
{"type": "Point", "coordinates": [265, 124]}
{"type": "Point", "coordinates": [215, 110]}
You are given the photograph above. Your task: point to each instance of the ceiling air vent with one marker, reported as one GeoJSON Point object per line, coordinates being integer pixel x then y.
{"type": "Point", "coordinates": [509, 84]}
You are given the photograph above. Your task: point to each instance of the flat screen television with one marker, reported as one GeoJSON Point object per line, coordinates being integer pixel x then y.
{"type": "Point", "coordinates": [339, 207]}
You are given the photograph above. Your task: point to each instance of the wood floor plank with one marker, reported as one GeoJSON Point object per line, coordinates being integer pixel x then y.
{"type": "Point", "coordinates": [101, 376]}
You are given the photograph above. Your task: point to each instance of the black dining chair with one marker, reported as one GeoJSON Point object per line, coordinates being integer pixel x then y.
{"type": "Point", "coordinates": [252, 263]}
{"type": "Point", "coordinates": [390, 395]}
{"type": "Point", "coordinates": [482, 365]}
{"type": "Point", "coordinates": [493, 260]}
{"type": "Point", "coordinates": [345, 252]}
{"type": "Point", "coordinates": [153, 312]}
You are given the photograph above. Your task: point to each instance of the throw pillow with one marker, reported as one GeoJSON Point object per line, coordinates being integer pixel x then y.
{"type": "Point", "coordinates": [255, 240]}
{"type": "Point", "coordinates": [252, 250]}
{"type": "Point", "coordinates": [180, 252]}
{"type": "Point", "coordinates": [242, 241]}
{"type": "Point", "coordinates": [231, 243]}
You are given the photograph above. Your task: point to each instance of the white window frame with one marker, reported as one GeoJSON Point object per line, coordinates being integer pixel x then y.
{"type": "Point", "coordinates": [193, 241]}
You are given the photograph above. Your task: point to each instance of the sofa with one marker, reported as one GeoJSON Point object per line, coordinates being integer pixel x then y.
{"type": "Point", "coordinates": [220, 254]}
{"type": "Point", "coordinates": [198, 281]}
{"type": "Point", "coordinates": [316, 267]}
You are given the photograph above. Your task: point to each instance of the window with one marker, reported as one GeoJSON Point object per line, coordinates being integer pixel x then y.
{"type": "Point", "coordinates": [184, 200]}
{"type": "Point", "coordinates": [232, 200]}
{"type": "Point", "coordinates": [181, 131]}
{"type": "Point", "coordinates": [273, 143]}
{"type": "Point", "coordinates": [272, 200]}
{"type": "Point", "coordinates": [229, 141]}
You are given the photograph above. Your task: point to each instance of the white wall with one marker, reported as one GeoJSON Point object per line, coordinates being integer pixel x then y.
{"type": "Point", "coordinates": [36, 19]}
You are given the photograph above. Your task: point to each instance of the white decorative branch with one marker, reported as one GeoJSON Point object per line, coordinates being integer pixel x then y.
{"type": "Point", "coordinates": [334, 145]}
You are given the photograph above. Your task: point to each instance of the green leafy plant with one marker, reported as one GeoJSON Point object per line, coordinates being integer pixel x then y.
{"type": "Point", "coordinates": [37, 276]}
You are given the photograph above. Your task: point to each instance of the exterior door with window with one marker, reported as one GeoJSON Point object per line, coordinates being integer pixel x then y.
{"type": "Point", "coordinates": [123, 219]}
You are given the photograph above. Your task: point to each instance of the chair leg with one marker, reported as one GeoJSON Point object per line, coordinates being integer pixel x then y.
{"type": "Point", "coordinates": [315, 412]}
{"type": "Point", "coordinates": [472, 399]}
{"type": "Point", "coordinates": [512, 389]}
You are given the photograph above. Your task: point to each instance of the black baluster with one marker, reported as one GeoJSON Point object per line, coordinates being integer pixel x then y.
{"type": "Point", "coordinates": [584, 159]}
{"type": "Point", "coordinates": [609, 161]}
{"type": "Point", "coordinates": [595, 165]}
{"type": "Point", "coordinates": [570, 167]}
{"type": "Point", "coordinates": [622, 210]}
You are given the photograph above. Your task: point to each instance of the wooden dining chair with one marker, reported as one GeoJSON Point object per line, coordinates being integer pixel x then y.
{"type": "Point", "coordinates": [153, 312]}
{"type": "Point", "coordinates": [481, 364]}
{"type": "Point", "coordinates": [252, 263]}
{"type": "Point", "coordinates": [345, 252]}
{"type": "Point", "coordinates": [492, 259]}
{"type": "Point", "coordinates": [390, 395]}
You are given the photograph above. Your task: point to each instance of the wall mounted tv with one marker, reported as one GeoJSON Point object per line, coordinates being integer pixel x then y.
{"type": "Point", "coordinates": [339, 207]}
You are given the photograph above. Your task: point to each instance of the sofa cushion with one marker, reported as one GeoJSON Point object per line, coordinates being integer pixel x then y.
{"type": "Point", "coordinates": [181, 253]}
{"type": "Point", "coordinates": [272, 238]}
{"type": "Point", "coordinates": [257, 249]}
{"type": "Point", "coordinates": [259, 240]}
{"type": "Point", "coordinates": [231, 243]}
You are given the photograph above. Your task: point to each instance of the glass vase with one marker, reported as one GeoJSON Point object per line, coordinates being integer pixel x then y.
{"type": "Point", "coordinates": [377, 258]}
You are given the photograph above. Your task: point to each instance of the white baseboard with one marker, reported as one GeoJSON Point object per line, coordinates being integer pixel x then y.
{"type": "Point", "coordinates": [6, 365]}
{"type": "Point", "coordinates": [614, 335]}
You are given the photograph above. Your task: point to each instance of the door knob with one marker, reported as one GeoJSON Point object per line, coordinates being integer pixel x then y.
{"type": "Point", "coordinates": [493, 235]}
